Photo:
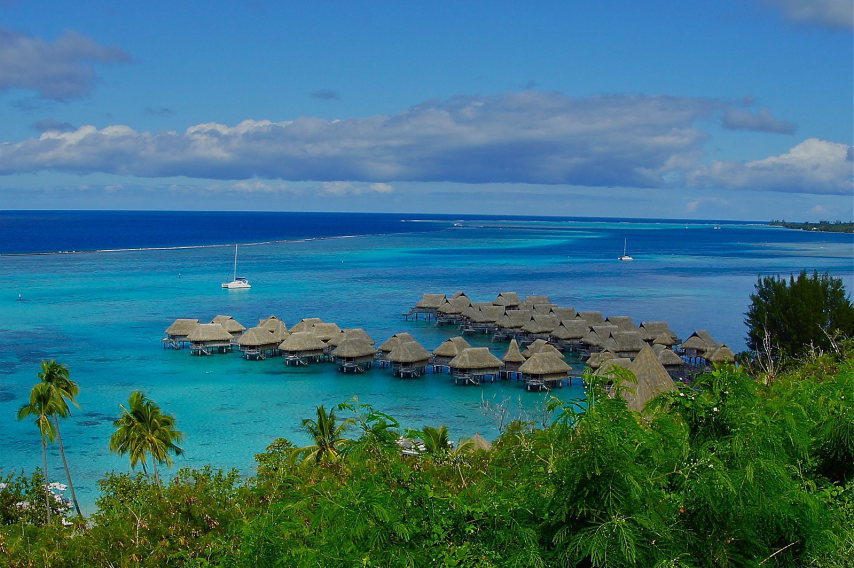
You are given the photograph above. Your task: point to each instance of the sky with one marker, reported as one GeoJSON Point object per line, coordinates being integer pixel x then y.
{"type": "Point", "coordinates": [733, 109]}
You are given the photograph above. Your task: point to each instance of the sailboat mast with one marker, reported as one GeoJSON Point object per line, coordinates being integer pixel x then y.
{"type": "Point", "coordinates": [235, 263]}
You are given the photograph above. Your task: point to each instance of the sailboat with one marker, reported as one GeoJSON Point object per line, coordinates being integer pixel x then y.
{"type": "Point", "coordinates": [625, 255]}
{"type": "Point", "coordinates": [238, 282]}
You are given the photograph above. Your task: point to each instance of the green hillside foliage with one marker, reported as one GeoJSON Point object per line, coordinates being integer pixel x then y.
{"type": "Point", "coordinates": [729, 472]}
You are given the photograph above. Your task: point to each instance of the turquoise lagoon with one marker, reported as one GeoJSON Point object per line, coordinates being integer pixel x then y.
{"type": "Point", "coordinates": [103, 315]}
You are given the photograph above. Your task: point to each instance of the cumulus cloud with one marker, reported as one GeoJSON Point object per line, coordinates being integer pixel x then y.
{"type": "Point", "coordinates": [60, 71]}
{"type": "Point", "coordinates": [813, 166]}
{"type": "Point", "coordinates": [761, 121]}
{"type": "Point", "coordinates": [528, 137]}
{"type": "Point", "coordinates": [825, 13]}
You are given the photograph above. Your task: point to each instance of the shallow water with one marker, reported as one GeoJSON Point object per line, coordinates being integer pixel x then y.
{"type": "Point", "coordinates": [103, 314]}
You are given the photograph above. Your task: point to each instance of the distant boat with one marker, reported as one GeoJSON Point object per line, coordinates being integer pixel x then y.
{"type": "Point", "coordinates": [717, 227]}
{"type": "Point", "coordinates": [625, 255]}
{"type": "Point", "coordinates": [238, 282]}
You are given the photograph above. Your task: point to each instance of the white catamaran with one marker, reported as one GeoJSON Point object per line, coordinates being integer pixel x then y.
{"type": "Point", "coordinates": [238, 282]}
{"type": "Point", "coordinates": [625, 254]}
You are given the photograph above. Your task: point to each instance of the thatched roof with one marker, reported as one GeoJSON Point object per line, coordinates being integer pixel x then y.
{"type": "Point", "coordinates": [455, 305]}
{"type": "Point", "coordinates": [230, 324]}
{"type": "Point", "coordinates": [628, 341]}
{"type": "Point", "coordinates": [696, 342]}
{"type": "Point", "coordinates": [668, 358]}
{"type": "Point", "coordinates": [305, 324]}
{"type": "Point", "coordinates": [353, 333]}
{"type": "Point", "coordinates": [353, 347]}
{"type": "Point", "coordinates": [652, 329]}
{"type": "Point", "coordinates": [563, 313]}
{"type": "Point", "coordinates": [591, 317]}
{"type": "Point", "coordinates": [541, 323]}
{"type": "Point", "coordinates": [257, 337]}
{"type": "Point", "coordinates": [431, 301]}
{"type": "Point", "coordinates": [325, 330]}
{"type": "Point", "coordinates": [272, 322]}
{"type": "Point", "coordinates": [451, 347]}
{"type": "Point", "coordinates": [480, 443]}
{"type": "Point", "coordinates": [593, 339]}
{"type": "Point", "coordinates": [302, 341]}
{"type": "Point", "coordinates": [392, 341]}
{"type": "Point", "coordinates": [722, 354]}
{"type": "Point", "coordinates": [665, 339]}
{"type": "Point", "coordinates": [513, 354]}
{"type": "Point", "coordinates": [182, 326]}
{"type": "Point", "coordinates": [596, 359]}
{"type": "Point", "coordinates": [534, 347]}
{"type": "Point", "coordinates": [534, 300]}
{"type": "Point", "coordinates": [544, 309]}
{"type": "Point", "coordinates": [520, 317]}
{"type": "Point", "coordinates": [507, 299]}
{"type": "Point", "coordinates": [208, 332]}
{"type": "Point", "coordinates": [625, 323]}
{"type": "Point", "coordinates": [475, 358]}
{"type": "Point", "coordinates": [408, 352]}
{"type": "Point", "coordinates": [652, 379]}
{"type": "Point", "coordinates": [544, 364]}
{"type": "Point", "coordinates": [571, 329]}
{"type": "Point", "coordinates": [488, 314]}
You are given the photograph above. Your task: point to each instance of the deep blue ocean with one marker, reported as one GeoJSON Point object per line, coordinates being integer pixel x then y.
{"type": "Point", "coordinates": [103, 313]}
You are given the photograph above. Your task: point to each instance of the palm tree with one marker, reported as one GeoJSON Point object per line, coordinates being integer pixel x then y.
{"type": "Point", "coordinates": [144, 430]}
{"type": "Point", "coordinates": [326, 433]}
{"type": "Point", "coordinates": [63, 390]}
{"type": "Point", "coordinates": [42, 405]}
{"type": "Point", "coordinates": [435, 440]}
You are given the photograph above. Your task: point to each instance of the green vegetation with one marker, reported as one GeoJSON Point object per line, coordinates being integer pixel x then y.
{"type": "Point", "coordinates": [734, 471]}
{"type": "Point", "coordinates": [826, 226]}
{"type": "Point", "coordinates": [793, 316]}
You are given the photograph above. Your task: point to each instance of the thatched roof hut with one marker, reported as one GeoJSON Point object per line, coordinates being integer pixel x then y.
{"type": "Point", "coordinates": [534, 347]}
{"type": "Point", "coordinates": [272, 322]}
{"type": "Point", "coordinates": [596, 359]}
{"type": "Point", "coordinates": [431, 301]}
{"type": "Point", "coordinates": [541, 324]}
{"type": "Point", "coordinates": [181, 328]}
{"type": "Point", "coordinates": [230, 325]}
{"type": "Point", "coordinates": [325, 330]}
{"type": "Point", "coordinates": [652, 379]}
{"type": "Point", "coordinates": [625, 343]}
{"type": "Point", "coordinates": [513, 358]}
{"type": "Point", "coordinates": [722, 354]}
{"type": "Point", "coordinates": [592, 318]}
{"type": "Point", "coordinates": [354, 354]}
{"type": "Point", "coordinates": [571, 330]}
{"type": "Point", "coordinates": [257, 338]}
{"type": "Point", "coordinates": [487, 314]}
{"type": "Point", "coordinates": [389, 344]}
{"type": "Point", "coordinates": [206, 338]}
{"type": "Point", "coordinates": [669, 359]}
{"type": "Point", "coordinates": [665, 339]}
{"type": "Point", "coordinates": [305, 324]}
{"type": "Point", "coordinates": [302, 345]}
{"type": "Point", "coordinates": [475, 361]}
{"type": "Point", "coordinates": [408, 359]}
{"type": "Point", "coordinates": [507, 299]}
{"type": "Point", "coordinates": [652, 329]}
{"type": "Point", "coordinates": [455, 306]}
{"type": "Point", "coordinates": [353, 333]}
{"type": "Point", "coordinates": [534, 300]}
{"type": "Point", "coordinates": [606, 366]}
{"type": "Point", "coordinates": [449, 349]}
{"type": "Point", "coordinates": [543, 309]}
{"type": "Point", "coordinates": [563, 313]}
{"type": "Point", "coordinates": [544, 370]}
{"type": "Point", "coordinates": [625, 323]}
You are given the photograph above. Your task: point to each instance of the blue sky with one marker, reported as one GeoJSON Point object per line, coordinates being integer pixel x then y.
{"type": "Point", "coordinates": [723, 110]}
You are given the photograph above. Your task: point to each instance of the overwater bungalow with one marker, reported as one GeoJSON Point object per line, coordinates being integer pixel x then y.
{"type": "Point", "coordinates": [272, 323]}
{"type": "Point", "coordinates": [569, 333]}
{"type": "Point", "coordinates": [625, 323]}
{"type": "Point", "coordinates": [301, 348]}
{"type": "Point", "coordinates": [486, 318]}
{"type": "Point", "coordinates": [624, 343]}
{"type": "Point", "coordinates": [509, 300]}
{"type": "Point", "coordinates": [209, 338]}
{"type": "Point", "coordinates": [699, 344]}
{"type": "Point", "coordinates": [389, 344]}
{"type": "Point", "coordinates": [176, 334]}
{"type": "Point", "coordinates": [451, 311]}
{"type": "Point", "coordinates": [354, 355]}
{"type": "Point", "coordinates": [596, 359]}
{"type": "Point", "coordinates": [325, 330]}
{"type": "Point", "coordinates": [651, 377]}
{"type": "Point", "coordinates": [474, 366]}
{"type": "Point", "coordinates": [427, 305]}
{"type": "Point", "coordinates": [664, 339]}
{"type": "Point", "coordinates": [305, 324]}
{"type": "Point", "coordinates": [607, 366]}
{"type": "Point", "coordinates": [449, 349]}
{"type": "Point", "coordinates": [534, 300]}
{"type": "Point", "coordinates": [540, 326]}
{"type": "Point", "coordinates": [544, 371]}
{"type": "Point", "coordinates": [650, 330]}
{"type": "Point", "coordinates": [408, 359]}
{"type": "Point", "coordinates": [593, 318]}
{"type": "Point", "coordinates": [673, 363]}
{"type": "Point", "coordinates": [543, 309]}
{"type": "Point", "coordinates": [353, 333]}
{"type": "Point", "coordinates": [563, 313]}
{"type": "Point", "coordinates": [722, 354]}
{"type": "Point", "coordinates": [257, 343]}
{"type": "Point", "coordinates": [231, 325]}
{"type": "Point", "coordinates": [534, 347]}
{"type": "Point", "coordinates": [512, 360]}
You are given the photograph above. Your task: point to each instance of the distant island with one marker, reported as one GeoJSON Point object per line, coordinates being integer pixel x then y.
{"type": "Point", "coordinates": [825, 226]}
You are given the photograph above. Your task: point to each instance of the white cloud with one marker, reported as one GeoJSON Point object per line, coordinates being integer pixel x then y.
{"type": "Point", "coordinates": [761, 121]}
{"type": "Point", "coordinates": [60, 70]}
{"type": "Point", "coordinates": [828, 13]}
{"type": "Point", "coordinates": [525, 137]}
{"type": "Point", "coordinates": [813, 166]}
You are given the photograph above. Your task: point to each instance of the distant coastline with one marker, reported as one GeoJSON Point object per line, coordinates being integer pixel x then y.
{"type": "Point", "coordinates": [823, 226]}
